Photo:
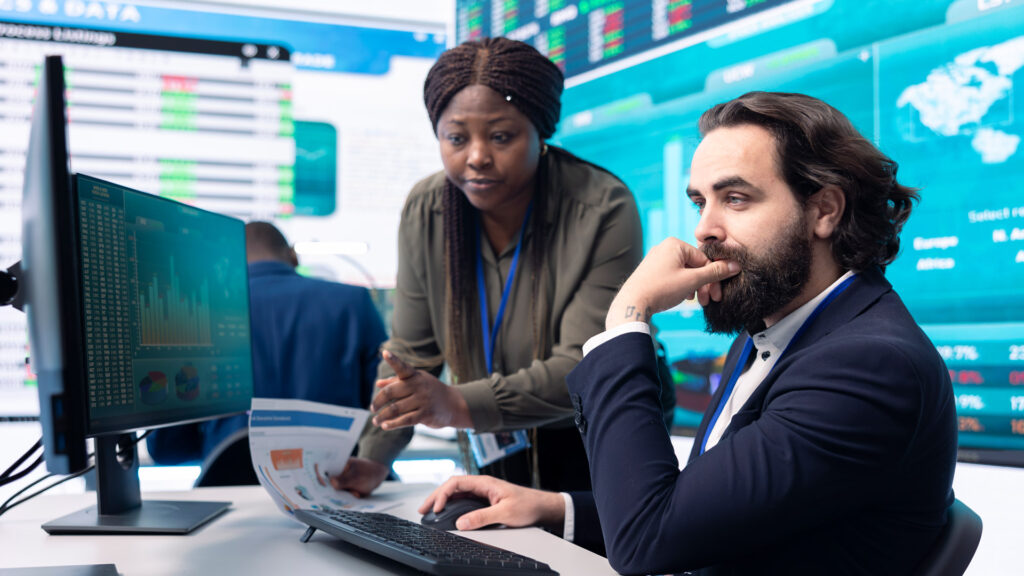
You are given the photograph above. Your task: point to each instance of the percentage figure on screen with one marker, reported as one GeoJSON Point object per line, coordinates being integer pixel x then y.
{"type": "Point", "coordinates": [970, 424]}
{"type": "Point", "coordinates": [973, 377]}
{"type": "Point", "coordinates": [970, 402]}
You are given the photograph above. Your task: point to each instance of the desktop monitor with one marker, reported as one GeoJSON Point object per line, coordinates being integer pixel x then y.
{"type": "Point", "coordinates": [138, 312]}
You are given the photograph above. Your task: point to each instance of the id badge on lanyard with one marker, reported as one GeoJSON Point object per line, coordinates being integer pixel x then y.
{"type": "Point", "coordinates": [488, 448]}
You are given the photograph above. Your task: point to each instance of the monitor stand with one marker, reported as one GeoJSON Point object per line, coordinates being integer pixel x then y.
{"type": "Point", "coordinates": [120, 508]}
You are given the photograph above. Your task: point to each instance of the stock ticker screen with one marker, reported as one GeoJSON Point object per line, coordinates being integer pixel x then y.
{"type": "Point", "coordinates": [932, 83]}
{"type": "Point", "coordinates": [582, 36]}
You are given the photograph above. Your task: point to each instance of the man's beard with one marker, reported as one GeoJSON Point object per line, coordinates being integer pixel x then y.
{"type": "Point", "coordinates": [764, 285]}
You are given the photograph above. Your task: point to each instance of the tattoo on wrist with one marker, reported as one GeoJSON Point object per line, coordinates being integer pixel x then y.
{"type": "Point", "coordinates": [635, 314]}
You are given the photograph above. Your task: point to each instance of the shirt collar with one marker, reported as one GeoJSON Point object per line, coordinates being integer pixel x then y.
{"type": "Point", "coordinates": [779, 335]}
{"type": "Point", "coordinates": [491, 256]}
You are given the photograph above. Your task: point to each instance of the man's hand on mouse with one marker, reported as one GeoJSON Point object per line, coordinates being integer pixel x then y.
{"type": "Point", "coordinates": [511, 505]}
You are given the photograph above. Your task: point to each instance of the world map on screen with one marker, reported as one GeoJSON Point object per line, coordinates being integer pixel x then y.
{"type": "Point", "coordinates": [956, 99]}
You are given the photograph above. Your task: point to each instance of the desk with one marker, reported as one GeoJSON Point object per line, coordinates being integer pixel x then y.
{"type": "Point", "coordinates": [255, 538]}
{"type": "Point", "coordinates": [252, 538]}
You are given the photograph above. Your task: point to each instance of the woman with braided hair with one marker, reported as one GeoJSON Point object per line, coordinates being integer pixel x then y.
{"type": "Point", "coordinates": [508, 260]}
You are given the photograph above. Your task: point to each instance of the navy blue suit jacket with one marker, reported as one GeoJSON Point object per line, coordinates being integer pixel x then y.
{"type": "Point", "coordinates": [311, 340]}
{"type": "Point", "coordinates": [841, 462]}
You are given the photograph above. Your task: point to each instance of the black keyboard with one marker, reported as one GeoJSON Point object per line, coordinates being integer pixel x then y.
{"type": "Point", "coordinates": [428, 549]}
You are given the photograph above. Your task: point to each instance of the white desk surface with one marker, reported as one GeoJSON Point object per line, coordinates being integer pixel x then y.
{"type": "Point", "coordinates": [252, 538]}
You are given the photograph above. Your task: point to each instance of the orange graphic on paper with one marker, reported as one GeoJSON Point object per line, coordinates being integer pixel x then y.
{"type": "Point", "coordinates": [290, 459]}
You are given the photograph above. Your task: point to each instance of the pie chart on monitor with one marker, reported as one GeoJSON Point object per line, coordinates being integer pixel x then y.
{"type": "Point", "coordinates": [153, 388]}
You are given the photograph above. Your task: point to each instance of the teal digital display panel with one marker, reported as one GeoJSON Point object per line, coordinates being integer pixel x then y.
{"type": "Point", "coordinates": [933, 84]}
{"type": "Point", "coordinates": [166, 309]}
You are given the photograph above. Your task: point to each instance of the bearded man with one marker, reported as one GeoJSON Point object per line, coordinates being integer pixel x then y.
{"type": "Point", "coordinates": [830, 446]}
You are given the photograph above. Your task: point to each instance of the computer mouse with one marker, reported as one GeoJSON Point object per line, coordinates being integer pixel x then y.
{"type": "Point", "coordinates": [445, 519]}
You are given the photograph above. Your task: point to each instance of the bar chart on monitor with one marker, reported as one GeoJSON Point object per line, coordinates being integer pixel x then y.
{"type": "Point", "coordinates": [171, 314]}
{"type": "Point", "coordinates": [174, 294]}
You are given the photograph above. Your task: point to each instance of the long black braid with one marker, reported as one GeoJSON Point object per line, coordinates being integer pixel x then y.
{"type": "Point", "coordinates": [533, 84]}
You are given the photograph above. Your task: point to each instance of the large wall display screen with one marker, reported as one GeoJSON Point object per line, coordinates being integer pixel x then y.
{"type": "Point", "coordinates": [933, 83]}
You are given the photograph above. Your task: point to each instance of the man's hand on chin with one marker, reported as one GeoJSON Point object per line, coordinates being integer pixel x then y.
{"type": "Point", "coordinates": [671, 272]}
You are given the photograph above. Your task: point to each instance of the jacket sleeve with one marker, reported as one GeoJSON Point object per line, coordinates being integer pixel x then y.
{"type": "Point", "coordinates": [537, 395]}
{"type": "Point", "coordinates": [816, 452]}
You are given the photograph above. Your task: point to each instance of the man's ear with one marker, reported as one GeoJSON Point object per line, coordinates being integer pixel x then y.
{"type": "Point", "coordinates": [825, 210]}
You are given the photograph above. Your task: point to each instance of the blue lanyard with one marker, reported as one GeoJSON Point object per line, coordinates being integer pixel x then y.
{"type": "Point", "coordinates": [491, 332]}
{"type": "Point", "coordinates": [741, 362]}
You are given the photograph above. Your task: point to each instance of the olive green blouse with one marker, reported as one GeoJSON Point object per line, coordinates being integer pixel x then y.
{"type": "Point", "coordinates": [595, 242]}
